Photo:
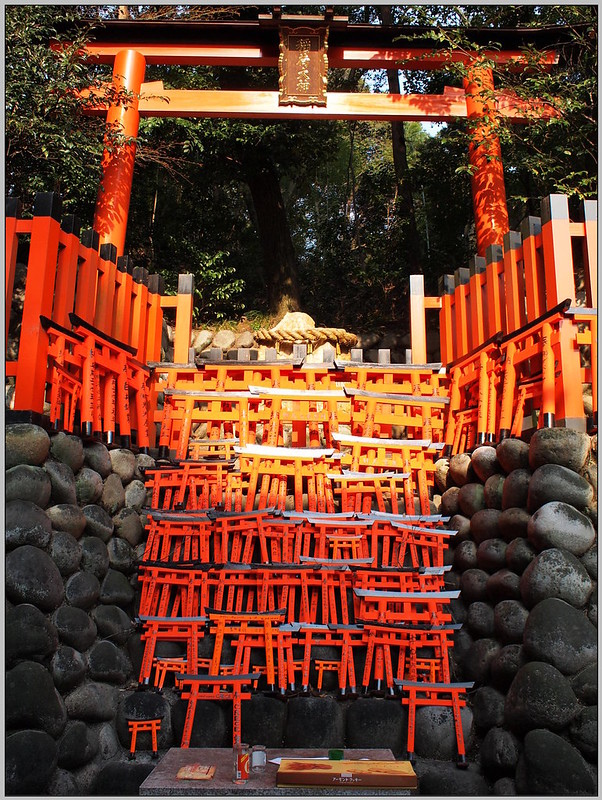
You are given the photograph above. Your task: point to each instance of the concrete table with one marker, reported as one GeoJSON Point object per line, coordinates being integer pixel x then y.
{"type": "Point", "coordinates": [162, 781]}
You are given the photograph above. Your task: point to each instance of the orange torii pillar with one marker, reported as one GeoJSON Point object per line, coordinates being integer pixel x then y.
{"type": "Point", "coordinates": [485, 156]}
{"type": "Point", "coordinates": [113, 201]}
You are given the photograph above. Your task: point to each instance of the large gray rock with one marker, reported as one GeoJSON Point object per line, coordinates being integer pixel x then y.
{"type": "Point", "coordinates": [26, 523]}
{"type": "Point", "coordinates": [28, 634]}
{"type": "Point", "coordinates": [519, 554]}
{"type": "Point", "coordinates": [514, 523]}
{"type": "Point", "coordinates": [224, 339]}
{"type": "Point", "coordinates": [98, 522]}
{"type": "Point", "coordinates": [25, 443]}
{"type": "Point", "coordinates": [441, 472]}
{"type": "Point", "coordinates": [30, 760]}
{"type": "Point", "coordinates": [584, 732]}
{"type": "Point", "coordinates": [512, 454]}
{"type": "Point", "coordinates": [559, 634]}
{"type": "Point", "coordinates": [509, 620]}
{"type": "Point", "coordinates": [551, 766]}
{"type": "Point", "coordinates": [484, 524]}
{"type": "Point", "coordinates": [128, 526]}
{"type": "Point", "coordinates": [62, 784]}
{"type": "Point", "coordinates": [121, 555]}
{"type": "Point", "coordinates": [473, 585]}
{"type": "Point", "coordinates": [552, 482]}
{"type": "Point", "coordinates": [88, 486]}
{"type": "Point", "coordinates": [585, 685]}
{"type": "Point", "coordinates": [516, 489]}
{"type": "Point", "coordinates": [75, 627]}
{"type": "Point", "coordinates": [135, 495]}
{"type": "Point", "coordinates": [449, 502]}
{"type": "Point", "coordinates": [471, 498]}
{"type": "Point", "coordinates": [120, 779]}
{"type": "Point", "coordinates": [459, 468]}
{"type": "Point", "coordinates": [263, 720]}
{"type": "Point", "coordinates": [28, 483]}
{"type": "Point", "coordinates": [314, 722]}
{"type": "Point", "coordinates": [62, 482]}
{"type": "Point", "coordinates": [491, 555]}
{"type": "Point", "coordinates": [555, 573]}
{"type": "Point", "coordinates": [68, 449]}
{"type": "Point", "coordinates": [92, 702]}
{"type": "Point", "coordinates": [505, 664]}
{"type": "Point", "coordinates": [465, 556]}
{"type": "Point", "coordinates": [500, 750]}
{"type": "Point", "coordinates": [95, 556]}
{"type": "Point", "coordinates": [112, 498]}
{"type": "Point", "coordinates": [479, 620]}
{"type": "Point", "coordinates": [503, 585]}
{"type": "Point", "coordinates": [113, 623]}
{"type": "Point", "coordinates": [77, 745]}
{"type": "Point", "coordinates": [68, 668]}
{"type": "Point", "coordinates": [82, 590]}
{"type": "Point", "coordinates": [443, 779]}
{"type": "Point", "coordinates": [209, 729]}
{"type": "Point", "coordinates": [108, 664]}
{"type": "Point", "coordinates": [590, 561]}
{"type": "Point", "coordinates": [375, 722]}
{"type": "Point", "coordinates": [67, 517]}
{"type": "Point", "coordinates": [32, 700]}
{"type": "Point", "coordinates": [116, 590]}
{"type": "Point", "coordinates": [96, 456]}
{"type": "Point", "coordinates": [494, 491]}
{"type": "Point", "coordinates": [123, 463]}
{"type": "Point", "coordinates": [459, 523]}
{"type": "Point", "coordinates": [560, 525]}
{"type": "Point", "coordinates": [143, 461]}
{"type": "Point", "coordinates": [563, 446]}
{"type": "Point", "coordinates": [32, 577]}
{"type": "Point", "coordinates": [487, 706]}
{"type": "Point", "coordinates": [477, 662]}
{"type": "Point", "coordinates": [539, 697]}
{"type": "Point", "coordinates": [484, 462]}
{"type": "Point", "coordinates": [66, 552]}
{"type": "Point", "coordinates": [146, 705]}
{"type": "Point", "coordinates": [435, 732]}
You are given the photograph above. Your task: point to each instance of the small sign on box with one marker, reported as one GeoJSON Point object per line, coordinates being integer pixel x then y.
{"type": "Point", "coordinates": [293, 772]}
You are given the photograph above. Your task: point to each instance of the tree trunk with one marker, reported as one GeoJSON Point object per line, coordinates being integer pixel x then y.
{"type": "Point", "coordinates": [405, 200]}
{"type": "Point", "coordinates": [279, 261]}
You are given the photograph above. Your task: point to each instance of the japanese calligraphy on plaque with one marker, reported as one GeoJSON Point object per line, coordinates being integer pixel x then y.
{"type": "Point", "coordinates": [303, 66]}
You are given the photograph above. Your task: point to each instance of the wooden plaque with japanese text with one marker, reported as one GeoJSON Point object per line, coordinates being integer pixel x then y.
{"type": "Point", "coordinates": [303, 66]}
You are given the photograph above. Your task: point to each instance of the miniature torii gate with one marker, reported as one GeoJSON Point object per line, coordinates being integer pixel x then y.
{"type": "Point", "coordinates": [303, 55]}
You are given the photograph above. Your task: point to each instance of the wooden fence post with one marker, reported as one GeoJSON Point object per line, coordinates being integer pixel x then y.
{"type": "Point", "coordinates": [103, 313]}
{"type": "Point", "coordinates": [494, 257]}
{"type": "Point", "coordinates": [476, 267]}
{"type": "Point", "coordinates": [87, 276]}
{"type": "Point", "coordinates": [121, 327]}
{"type": "Point", "coordinates": [183, 329]}
{"type": "Point", "coordinates": [446, 326]}
{"type": "Point", "coordinates": [535, 287]}
{"type": "Point", "coordinates": [514, 281]}
{"type": "Point", "coordinates": [155, 318]}
{"type": "Point", "coordinates": [557, 250]}
{"type": "Point", "coordinates": [417, 319]}
{"type": "Point", "coordinates": [13, 213]}
{"type": "Point", "coordinates": [39, 292]}
{"type": "Point", "coordinates": [461, 278]}
{"type": "Point", "coordinates": [590, 247]}
{"type": "Point", "coordinates": [64, 293]}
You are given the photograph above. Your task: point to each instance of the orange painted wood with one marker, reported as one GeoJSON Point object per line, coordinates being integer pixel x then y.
{"type": "Point", "coordinates": [68, 258]}
{"type": "Point", "coordinates": [103, 313]}
{"type": "Point", "coordinates": [476, 284]}
{"type": "Point", "coordinates": [417, 320]}
{"type": "Point", "coordinates": [87, 276]}
{"type": "Point", "coordinates": [446, 324]}
{"type": "Point", "coordinates": [514, 281]}
{"type": "Point", "coordinates": [155, 319]}
{"type": "Point", "coordinates": [533, 265]}
{"type": "Point", "coordinates": [557, 250]}
{"type": "Point", "coordinates": [39, 293]}
{"type": "Point", "coordinates": [495, 290]}
{"type": "Point", "coordinates": [183, 331]}
{"type": "Point", "coordinates": [11, 243]}
{"type": "Point", "coordinates": [590, 209]}
{"type": "Point", "coordinates": [461, 311]}
{"type": "Point", "coordinates": [124, 292]}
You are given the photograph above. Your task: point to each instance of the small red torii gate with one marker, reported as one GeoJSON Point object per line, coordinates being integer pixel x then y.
{"type": "Point", "coordinates": [130, 45]}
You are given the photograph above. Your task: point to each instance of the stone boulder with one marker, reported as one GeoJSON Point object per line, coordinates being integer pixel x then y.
{"type": "Point", "coordinates": [465, 556]}
{"type": "Point", "coordinates": [96, 456]}
{"type": "Point", "coordinates": [459, 466]}
{"type": "Point", "coordinates": [66, 552]}
{"type": "Point", "coordinates": [449, 502]}
{"type": "Point", "coordinates": [583, 733]}
{"type": "Point", "coordinates": [435, 732]}
{"type": "Point", "coordinates": [471, 498]}
{"type": "Point", "coordinates": [505, 664]}
{"type": "Point", "coordinates": [62, 482]}
{"type": "Point", "coordinates": [108, 664]}
{"type": "Point", "coordinates": [549, 765]}
{"type": "Point", "coordinates": [28, 634]}
{"type": "Point", "coordinates": [477, 661]}
{"type": "Point", "coordinates": [539, 697]}
{"type": "Point", "coordinates": [514, 523]}
{"type": "Point", "coordinates": [519, 554]}
{"type": "Point", "coordinates": [82, 590]}
{"type": "Point", "coordinates": [28, 483]}
{"type": "Point", "coordinates": [555, 573]}
{"type": "Point", "coordinates": [62, 784]}
{"type": "Point", "coordinates": [67, 517]}
{"type": "Point", "coordinates": [32, 700]}
{"type": "Point", "coordinates": [484, 524]}
{"type": "Point", "coordinates": [479, 620]}
{"type": "Point", "coordinates": [473, 585]}
{"type": "Point", "coordinates": [512, 454]}
{"type": "Point", "coordinates": [123, 463]}
{"type": "Point", "coordinates": [375, 722]}
{"type": "Point", "coordinates": [98, 522]}
{"type": "Point", "coordinates": [460, 524]}
{"type": "Point", "coordinates": [120, 779]}
{"type": "Point", "coordinates": [143, 461]}
{"type": "Point", "coordinates": [509, 620]}
{"type": "Point", "coordinates": [494, 491]}
{"type": "Point", "coordinates": [557, 633]}
{"type": "Point", "coordinates": [315, 722]}
{"type": "Point", "coordinates": [75, 627]}
{"type": "Point", "coordinates": [516, 489]}
{"type": "Point", "coordinates": [116, 590]}
{"type": "Point", "coordinates": [552, 482]}
{"type": "Point", "coordinates": [563, 446]}
{"type": "Point", "coordinates": [487, 706]}
{"type": "Point", "coordinates": [95, 556]}
{"type": "Point", "coordinates": [69, 449]}
{"type": "Point", "coordinates": [263, 720]}
{"type": "Point", "coordinates": [443, 779]}
{"type": "Point", "coordinates": [30, 759]}
{"type": "Point", "coordinates": [25, 443]}
{"type": "Point", "coordinates": [121, 555]}
{"type": "Point", "coordinates": [585, 684]}
{"type": "Point", "coordinates": [135, 495]}
{"type": "Point", "coordinates": [33, 577]}
{"type": "Point", "coordinates": [128, 526]}
{"type": "Point", "coordinates": [112, 498]}
{"type": "Point", "coordinates": [558, 524]}
{"type": "Point", "coordinates": [68, 668]}
{"type": "Point", "coordinates": [88, 486]}
{"type": "Point", "coordinates": [113, 623]}
{"type": "Point", "coordinates": [503, 585]}
{"type": "Point", "coordinates": [147, 705]}
{"type": "Point", "coordinates": [500, 751]}
{"type": "Point", "coordinates": [92, 702]}
{"type": "Point", "coordinates": [212, 728]}
{"type": "Point", "coordinates": [26, 524]}
{"type": "Point", "coordinates": [77, 745]}
{"type": "Point", "coordinates": [491, 555]}
{"type": "Point", "coordinates": [484, 462]}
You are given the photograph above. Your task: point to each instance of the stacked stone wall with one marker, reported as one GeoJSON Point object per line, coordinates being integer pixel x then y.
{"type": "Point", "coordinates": [525, 559]}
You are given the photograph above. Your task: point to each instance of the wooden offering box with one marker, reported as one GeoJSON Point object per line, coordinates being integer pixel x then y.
{"type": "Point", "coordinates": [298, 772]}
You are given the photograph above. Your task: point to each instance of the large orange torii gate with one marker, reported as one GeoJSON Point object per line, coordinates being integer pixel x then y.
{"type": "Point", "coordinates": [303, 54]}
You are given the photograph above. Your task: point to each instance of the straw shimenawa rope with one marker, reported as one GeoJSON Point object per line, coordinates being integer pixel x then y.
{"type": "Point", "coordinates": [313, 336]}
